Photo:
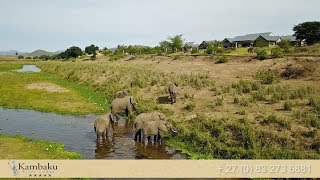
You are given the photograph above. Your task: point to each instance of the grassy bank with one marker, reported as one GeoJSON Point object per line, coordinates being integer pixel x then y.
{"type": "Point", "coordinates": [18, 147]}
{"type": "Point", "coordinates": [24, 90]}
{"type": "Point", "coordinates": [253, 118]}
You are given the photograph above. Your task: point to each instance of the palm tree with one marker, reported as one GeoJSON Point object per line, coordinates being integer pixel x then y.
{"type": "Point", "coordinates": [176, 43]}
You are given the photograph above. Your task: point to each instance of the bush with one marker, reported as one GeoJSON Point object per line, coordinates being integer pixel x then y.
{"type": "Point", "coordinates": [285, 45]}
{"type": "Point", "coordinates": [20, 57]}
{"type": "Point", "coordinates": [194, 51]}
{"type": "Point", "coordinates": [266, 77]}
{"type": "Point", "coordinates": [209, 50]}
{"type": "Point", "coordinates": [222, 59]}
{"type": "Point", "coordinates": [262, 54]}
{"type": "Point", "coordinates": [276, 52]}
{"type": "Point", "coordinates": [297, 70]}
{"type": "Point", "coordinates": [28, 58]}
{"type": "Point", "coordinates": [287, 106]}
{"type": "Point", "coordinates": [35, 57]}
{"type": "Point", "coordinates": [44, 57]}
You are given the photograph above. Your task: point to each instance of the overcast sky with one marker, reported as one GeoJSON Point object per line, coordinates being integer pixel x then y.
{"type": "Point", "coordinates": [56, 25]}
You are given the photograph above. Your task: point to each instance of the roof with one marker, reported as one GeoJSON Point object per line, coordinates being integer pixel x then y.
{"type": "Point", "coordinates": [271, 38]}
{"type": "Point", "coordinates": [289, 37]}
{"type": "Point", "coordinates": [190, 44]}
{"type": "Point", "coordinates": [250, 37]}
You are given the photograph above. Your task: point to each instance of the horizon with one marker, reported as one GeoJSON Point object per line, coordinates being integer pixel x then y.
{"type": "Point", "coordinates": [27, 26]}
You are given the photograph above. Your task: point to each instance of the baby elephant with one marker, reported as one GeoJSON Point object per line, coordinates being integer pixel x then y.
{"type": "Point", "coordinates": [157, 129]}
{"type": "Point", "coordinates": [142, 118]}
{"type": "Point", "coordinates": [121, 94]}
{"type": "Point", "coordinates": [126, 104]}
{"type": "Point", "coordinates": [172, 89]}
{"type": "Point", "coordinates": [102, 124]}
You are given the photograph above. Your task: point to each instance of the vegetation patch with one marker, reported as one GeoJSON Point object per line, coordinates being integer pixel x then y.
{"type": "Point", "coordinates": [78, 100]}
{"type": "Point", "coordinates": [18, 147]}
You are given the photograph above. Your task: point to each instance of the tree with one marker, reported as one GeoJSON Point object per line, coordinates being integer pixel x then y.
{"type": "Point", "coordinates": [165, 46]}
{"type": "Point", "coordinates": [310, 31]}
{"type": "Point", "coordinates": [176, 43]}
{"type": "Point", "coordinates": [72, 52]}
{"type": "Point", "coordinates": [91, 49]}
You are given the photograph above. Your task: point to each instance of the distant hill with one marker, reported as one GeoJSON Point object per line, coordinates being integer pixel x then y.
{"type": "Point", "coordinates": [41, 52]}
{"type": "Point", "coordinates": [11, 52]}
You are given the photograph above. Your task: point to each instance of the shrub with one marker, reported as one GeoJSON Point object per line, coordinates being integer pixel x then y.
{"type": "Point", "coordinates": [297, 70]}
{"type": "Point", "coordinates": [262, 54]}
{"type": "Point", "coordinates": [28, 58]}
{"type": "Point", "coordinates": [209, 50]}
{"type": "Point", "coordinates": [44, 57]}
{"type": "Point", "coordinates": [35, 57]}
{"type": "Point", "coordinates": [285, 45]}
{"type": "Point", "coordinates": [194, 51]}
{"type": "Point", "coordinates": [222, 59]}
{"type": "Point", "coordinates": [190, 105]}
{"type": "Point", "coordinates": [276, 52]}
{"type": "Point", "coordinates": [20, 57]}
{"type": "Point", "coordinates": [278, 120]}
{"type": "Point", "coordinates": [219, 101]}
{"type": "Point", "coordinates": [266, 77]}
{"type": "Point", "coordinates": [287, 106]}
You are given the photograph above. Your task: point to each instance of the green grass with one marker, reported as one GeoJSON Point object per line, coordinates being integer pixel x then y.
{"type": "Point", "coordinates": [239, 51]}
{"type": "Point", "coordinates": [18, 147]}
{"type": "Point", "coordinates": [79, 100]}
{"type": "Point", "coordinates": [9, 66]}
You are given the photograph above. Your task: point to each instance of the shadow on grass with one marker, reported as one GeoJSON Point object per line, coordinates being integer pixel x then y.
{"type": "Point", "coordinates": [164, 100]}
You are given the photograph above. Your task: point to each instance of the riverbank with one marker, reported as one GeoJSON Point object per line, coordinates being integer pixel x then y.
{"type": "Point", "coordinates": [46, 92]}
{"type": "Point", "coordinates": [19, 147]}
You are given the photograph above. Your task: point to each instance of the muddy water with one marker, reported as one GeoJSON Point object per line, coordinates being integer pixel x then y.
{"type": "Point", "coordinates": [77, 134]}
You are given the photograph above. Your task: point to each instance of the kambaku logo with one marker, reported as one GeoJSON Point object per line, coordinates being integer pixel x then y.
{"type": "Point", "coordinates": [13, 166]}
{"type": "Point", "coordinates": [37, 169]}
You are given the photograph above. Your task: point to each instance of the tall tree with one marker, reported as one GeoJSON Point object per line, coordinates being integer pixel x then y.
{"type": "Point", "coordinates": [310, 31]}
{"type": "Point", "coordinates": [91, 49]}
{"type": "Point", "coordinates": [72, 52]}
{"type": "Point", "coordinates": [176, 43]}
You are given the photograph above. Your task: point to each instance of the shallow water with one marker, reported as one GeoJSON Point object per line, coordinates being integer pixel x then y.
{"type": "Point", "coordinates": [28, 68]}
{"type": "Point", "coordinates": [77, 134]}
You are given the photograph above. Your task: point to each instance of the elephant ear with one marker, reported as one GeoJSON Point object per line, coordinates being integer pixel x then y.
{"type": "Point", "coordinates": [163, 127]}
{"type": "Point", "coordinates": [162, 116]}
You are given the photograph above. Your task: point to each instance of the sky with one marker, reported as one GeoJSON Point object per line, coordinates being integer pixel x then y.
{"type": "Point", "coordinates": [56, 25]}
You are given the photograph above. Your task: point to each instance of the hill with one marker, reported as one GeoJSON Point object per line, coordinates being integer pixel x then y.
{"type": "Point", "coordinates": [41, 52]}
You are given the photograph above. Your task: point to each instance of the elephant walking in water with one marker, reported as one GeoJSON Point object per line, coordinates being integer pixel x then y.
{"type": "Point", "coordinates": [157, 130]}
{"type": "Point", "coordinates": [142, 118]}
{"type": "Point", "coordinates": [126, 104]}
{"type": "Point", "coordinates": [102, 124]}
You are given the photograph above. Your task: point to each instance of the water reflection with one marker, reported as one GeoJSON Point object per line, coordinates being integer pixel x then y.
{"type": "Point", "coordinates": [77, 134]}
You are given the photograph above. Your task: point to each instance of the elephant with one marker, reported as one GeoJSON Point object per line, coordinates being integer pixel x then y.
{"type": "Point", "coordinates": [102, 124]}
{"type": "Point", "coordinates": [121, 94]}
{"type": "Point", "coordinates": [157, 129]}
{"type": "Point", "coordinates": [142, 118]}
{"type": "Point", "coordinates": [127, 104]}
{"type": "Point", "coordinates": [172, 89]}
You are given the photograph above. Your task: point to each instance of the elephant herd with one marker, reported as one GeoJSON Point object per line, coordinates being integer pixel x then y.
{"type": "Point", "coordinates": [146, 125]}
